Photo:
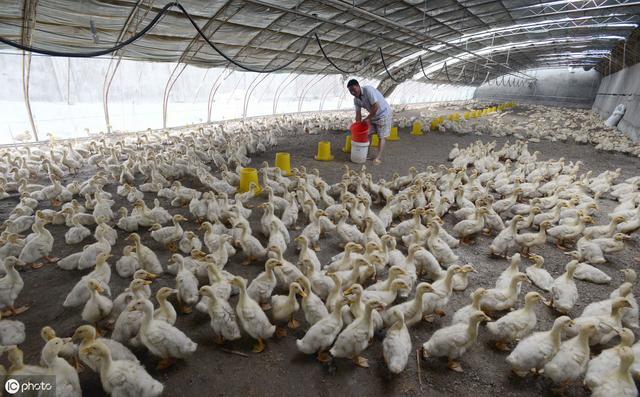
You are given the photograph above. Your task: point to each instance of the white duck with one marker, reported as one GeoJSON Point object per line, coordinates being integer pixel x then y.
{"type": "Point", "coordinates": [538, 275]}
{"type": "Point", "coordinates": [571, 360]}
{"type": "Point", "coordinates": [323, 333]}
{"type": "Point", "coordinates": [355, 338]}
{"type": "Point", "coordinates": [534, 351]}
{"type": "Point", "coordinates": [66, 377]}
{"type": "Point", "coordinates": [161, 338]}
{"type": "Point", "coordinates": [252, 318]}
{"type": "Point", "coordinates": [10, 287]}
{"type": "Point", "coordinates": [223, 319]}
{"type": "Point", "coordinates": [122, 377]}
{"type": "Point", "coordinates": [453, 341]}
{"type": "Point", "coordinates": [564, 290]}
{"type": "Point", "coordinates": [396, 345]}
{"type": "Point", "coordinates": [516, 324]}
{"type": "Point", "coordinates": [619, 382]}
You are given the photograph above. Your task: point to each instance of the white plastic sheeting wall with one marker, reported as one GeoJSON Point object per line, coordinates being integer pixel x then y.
{"type": "Point", "coordinates": [417, 92]}
{"type": "Point", "coordinates": [66, 95]}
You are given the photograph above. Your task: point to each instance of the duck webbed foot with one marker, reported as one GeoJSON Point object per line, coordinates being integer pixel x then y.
{"type": "Point", "coordinates": [259, 346]}
{"type": "Point", "coordinates": [454, 366]}
{"type": "Point", "coordinates": [361, 362]}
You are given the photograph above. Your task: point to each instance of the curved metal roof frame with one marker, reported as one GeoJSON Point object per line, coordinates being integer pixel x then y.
{"type": "Point", "coordinates": [488, 38]}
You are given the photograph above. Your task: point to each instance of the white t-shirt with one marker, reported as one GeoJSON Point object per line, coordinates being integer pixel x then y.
{"type": "Point", "coordinates": [368, 97]}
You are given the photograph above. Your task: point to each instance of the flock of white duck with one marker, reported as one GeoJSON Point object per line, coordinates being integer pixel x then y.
{"type": "Point", "coordinates": [504, 192]}
{"type": "Point", "coordinates": [537, 122]}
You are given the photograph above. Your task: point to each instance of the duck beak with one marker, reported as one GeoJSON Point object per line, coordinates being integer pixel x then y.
{"type": "Point", "coordinates": [147, 282]}
{"type": "Point", "coordinates": [302, 294]}
{"type": "Point", "coordinates": [151, 276]}
{"type": "Point", "coordinates": [347, 291]}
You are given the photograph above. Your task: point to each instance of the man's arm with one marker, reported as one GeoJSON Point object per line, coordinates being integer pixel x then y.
{"type": "Point", "coordinates": [372, 113]}
{"type": "Point", "coordinates": [358, 115]}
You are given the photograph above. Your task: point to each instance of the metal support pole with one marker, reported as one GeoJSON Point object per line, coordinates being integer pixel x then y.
{"type": "Point", "coordinates": [28, 24]}
{"type": "Point", "coordinates": [226, 72]}
{"type": "Point", "coordinates": [624, 54]}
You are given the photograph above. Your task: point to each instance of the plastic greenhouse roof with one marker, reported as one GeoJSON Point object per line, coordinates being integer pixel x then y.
{"type": "Point", "coordinates": [394, 40]}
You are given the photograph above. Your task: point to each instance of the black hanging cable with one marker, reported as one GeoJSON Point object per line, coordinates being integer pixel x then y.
{"type": "Point", "coordinates": [385, 67]}
{"type": "Point", "coordinates": [333, 63]}
{"type": "Point", "coordinates": [142, 32]}
{"type": "Point", "coordinates": [446, 72]}
{"type": "Point", "coordinates": [96, 53]}
{"type": "Point", "coordinates": [225, 56]}
{"type": "Point", "coordinates": [425, 75]}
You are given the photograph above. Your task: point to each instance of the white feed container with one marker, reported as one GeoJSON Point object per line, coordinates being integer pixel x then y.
{"type": "Point", "coordinates": [359, 152]}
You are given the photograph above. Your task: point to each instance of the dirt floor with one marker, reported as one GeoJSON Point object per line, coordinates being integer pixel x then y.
{"type": "Point", "coordinates": [281, 370]}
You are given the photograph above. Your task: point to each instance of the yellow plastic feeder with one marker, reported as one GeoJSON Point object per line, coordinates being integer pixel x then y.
{"type": "Point", "coordinates": [416, 130]}
{"type": "Point", "coordinates": [466, 115]}
{"type": "Point", "coordinates": [347, 144]}
{"type": "Point", "coordinates": [393, 136]}
{"type": "Point", "coordinates": [248, 176]}
{"type": "Point", "coordinates": [375, 140]}
{"type": "Point", "coordinates": [324, 151]}
{"type": "Point", "coordinates": [283, 161]}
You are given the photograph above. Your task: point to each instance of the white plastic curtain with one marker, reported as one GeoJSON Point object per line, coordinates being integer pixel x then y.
{"type": "Point", "coordinates": [66, 95]}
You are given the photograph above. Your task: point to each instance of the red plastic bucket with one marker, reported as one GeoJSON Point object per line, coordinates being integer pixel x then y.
{"type": "Point", "coordinates": [360, 132]}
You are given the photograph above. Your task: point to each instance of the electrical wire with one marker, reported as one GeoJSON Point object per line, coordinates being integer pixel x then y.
{"type": "Point", "coordinates": [385, 67]}
{"type": "Point", "coordinates": [446, 72]}
{"type": "Point", "coordinates": [425, 75]}
{"type": "Point", "coordinates": [142, 32]}
{"type": "Point", "coordinates": [333, 63]}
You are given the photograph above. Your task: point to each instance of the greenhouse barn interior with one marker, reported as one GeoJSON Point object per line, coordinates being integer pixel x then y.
{"type": "Point", "coordinates": [319, 197]}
